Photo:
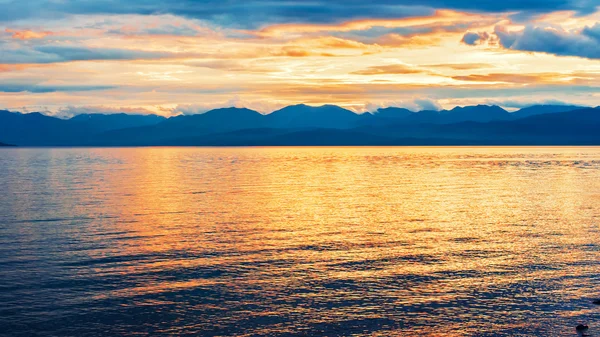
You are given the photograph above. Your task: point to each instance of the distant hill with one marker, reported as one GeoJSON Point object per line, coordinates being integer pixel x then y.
{"type": "Point", "coordinates": [577, 127]}
{"type": "Point", "coordinates": [184, 126]}
{"type": "Point", "coordinates": [4, 144]}
{"type": "Point", "coordinates": [479, 113]}
{"type": "Point", "coordinates": [389, 115]}
{"type": "Point", "coordinates": [305, 125]}
{"type": "Point", "coordinates": [393, 113]}
{"type": "Point", "coordinates": [102, 122]}
{"type": "Point", "coordinates": [36, 129]}
{"type": "Point", "coordinates": [305, 116]}
{"type": "Point", "coordinates": [543, 109]}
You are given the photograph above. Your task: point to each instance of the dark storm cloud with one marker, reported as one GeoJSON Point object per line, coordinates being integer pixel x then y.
{"type": "Point", "coordinates": [255, 13]}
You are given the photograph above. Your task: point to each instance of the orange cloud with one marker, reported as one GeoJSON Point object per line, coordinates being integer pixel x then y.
{"type": "Point", "coordinates": [326, 46]}
{"type": "Point", "coordinates": [337, 43]}
{"type": "Point", "coordinates": [27, 34]}
{"type": "Point", "coordinates": [233, 65]}
{"type": "Point", "coordinates": [16, 67]}
{"type": "Point", "coordinates": [536, 78]}
{"type": "Point", "coordinates": [438, 18]}
{"type": "Point", "coordinates": [460, 66]}
{"type": "Point", "coordinates": [295, 51]}
{"type": "Point", "coordinates": [396, 40]}
{"type": "Point", "coordinates": [392, 69]}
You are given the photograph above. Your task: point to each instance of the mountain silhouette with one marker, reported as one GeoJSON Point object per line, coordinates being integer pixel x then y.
{"type": "Point", "coordinates": [393, 113]}
{"type": "Point", "coordinates": [385, 116]}
{"type": "Point", "coordinates": [305, 116]}
{"type": "Point", "coordinates": [576, 127]}
{"type": "Point", "coordinates": [478, 113]}
{"type": "Point", "coordinates": [183, 126]}
{"type": "Point", "coordinates": [36, 129]}
{"type": "Point", "coordinates": [306, 125]}
{"type": "Point", "coordinates": [543, 109]}
{"type": "Point", "coordinates": [104, 122]}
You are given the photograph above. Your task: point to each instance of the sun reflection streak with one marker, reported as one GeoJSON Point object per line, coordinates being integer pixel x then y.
{"type": "Point", "coordinates": [377, 241]}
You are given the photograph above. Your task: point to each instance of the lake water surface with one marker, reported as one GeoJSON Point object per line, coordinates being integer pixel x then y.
{"type": "Point", "coordinates": [299, 241]}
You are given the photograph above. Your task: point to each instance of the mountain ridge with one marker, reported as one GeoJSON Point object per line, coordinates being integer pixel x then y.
{"type": "Point", "coordinates": [309, 125]}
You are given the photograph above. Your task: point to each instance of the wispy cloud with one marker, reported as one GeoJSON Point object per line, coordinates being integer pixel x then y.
{"type": "Point", "coordinates": [70, 111]}
{"type": "Point", "coordinates": [57, 54]}
{"type": "Point", "coordinates": [27, 34]}
{"type": "Point", "coordinates": [41, 88]}
{"type": "Point", "coordinates": [391, 69]}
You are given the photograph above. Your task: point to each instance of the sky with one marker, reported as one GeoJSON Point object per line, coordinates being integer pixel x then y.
{"type": "Point", "coordinates": [66, 57]}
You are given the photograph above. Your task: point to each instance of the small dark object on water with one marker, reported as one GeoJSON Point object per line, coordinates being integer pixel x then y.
{"type": "Point", "coordinates": [596, 302]}
{"type": "Point", "coordinates": [582, 327]}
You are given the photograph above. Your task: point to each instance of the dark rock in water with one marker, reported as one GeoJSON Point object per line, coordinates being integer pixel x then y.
{"type": "Point", "coordinates": [582, 327]}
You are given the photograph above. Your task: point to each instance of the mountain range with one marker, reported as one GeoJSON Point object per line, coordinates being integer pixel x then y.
{"type": "Point", "coordinates": [307, 125]}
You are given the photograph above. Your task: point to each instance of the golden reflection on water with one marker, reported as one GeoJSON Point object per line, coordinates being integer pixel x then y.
{"type": "Point", "coordinates": [330, 241]}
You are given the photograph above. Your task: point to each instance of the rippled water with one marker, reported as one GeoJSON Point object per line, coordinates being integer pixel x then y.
{"type": "Point", "coordinates": [299, 241]}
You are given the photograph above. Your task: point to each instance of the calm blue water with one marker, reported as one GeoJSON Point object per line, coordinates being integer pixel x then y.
{"type": "Point", "coordinates": [299, 241]}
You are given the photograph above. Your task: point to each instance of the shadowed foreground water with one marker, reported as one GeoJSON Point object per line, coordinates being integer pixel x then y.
{"type": "Point", "coordinates": [299, 241]}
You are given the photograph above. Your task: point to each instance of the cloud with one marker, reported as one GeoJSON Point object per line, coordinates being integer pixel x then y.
{"type": "Point", "coordinates": [519, 104]}
{"type": "Point", "coordinates": [460, 66]}
{"type": "Point", "coordinates": [552, 40]}
{"type": "Point", "coordinates": [57, 54]}
{"type": "Point", "coordinates": [233, 65]}
{"type": "Point", "coordinates": [156, 26]}
{"type": "Point", "coordinates": [592, 32]}
{"type": "Point", "coordinates": [70, 111]}
{"type": "Point", "coordinates": [40, 89]}
{"type": "Point", "coordinates": [427, 104]}
{"type": "Point", "coordinates": [173, 30]}
{"type": "Point", "coordinates": [368, 30]}
{"type": "Point", "coordinates": [514, 78]}
{"type": "Point", "coordinates": [473, 39]}
{"type": "Point", "coordinates": [27, 34]}
{"type": "Point", "coordinates": [15, 67]}
{"type": "Point", "coordinates": [416, 104]}
{"type": "Point", "coordinates": [252, 13]}
{"type": "Point", "coordinates": [392, 69]}
{"type": "Point", "coordinates": [336, 43]}
{"type": "Point", "coordinates": [82, 53]}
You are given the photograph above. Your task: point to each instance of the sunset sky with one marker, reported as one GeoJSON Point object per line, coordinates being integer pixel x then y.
{"type": "Point", "coordinates": [170, 57]}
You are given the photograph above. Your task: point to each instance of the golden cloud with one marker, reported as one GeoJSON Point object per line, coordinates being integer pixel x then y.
{"type": "Point", "coordinates": [27, 34]}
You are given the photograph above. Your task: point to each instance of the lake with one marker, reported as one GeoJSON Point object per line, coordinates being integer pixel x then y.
{"type": "Point", "coordinates": [398, 241]}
